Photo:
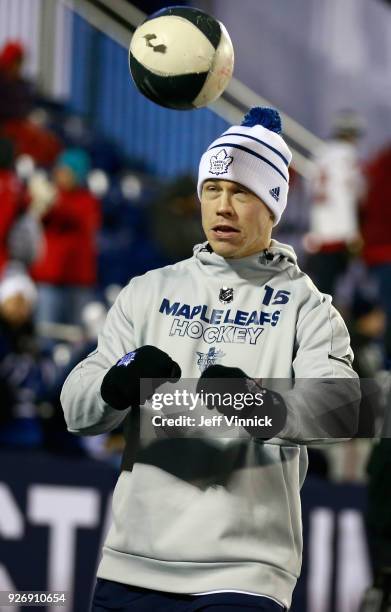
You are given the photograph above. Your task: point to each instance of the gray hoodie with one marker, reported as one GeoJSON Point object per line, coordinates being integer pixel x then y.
{"type": "Point", "coordinates": [200, 515]}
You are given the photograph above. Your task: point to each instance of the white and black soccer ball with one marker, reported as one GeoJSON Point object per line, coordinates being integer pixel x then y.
{"type": "Point", "coordinates": [181, 58]}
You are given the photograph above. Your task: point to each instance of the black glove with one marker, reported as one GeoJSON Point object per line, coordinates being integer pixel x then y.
{"type": "Point", "coordinates": [264, 410]}
{"type": "Point", "coordinates": [121, 386]}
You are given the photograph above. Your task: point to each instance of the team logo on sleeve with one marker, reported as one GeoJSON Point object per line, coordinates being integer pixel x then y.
{"type": "Point", "coordinates": [126, 359]}
{"type": "Point", "coordinates": [226, 295]}
{"type": "Point", "coordinates": [220, 162]}
{"type": "Point", "coordinates": [210, 358]}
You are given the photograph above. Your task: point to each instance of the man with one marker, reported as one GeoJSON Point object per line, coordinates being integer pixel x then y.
{"type": "Point", "coordinates": [67, 268]}
{"type": "Point", "coordinates": [336, 186]}
{"type": "Point", "coordinates": [28, 370]}
{"type": "Point", "coordinates": [17, 100]}
{"type": "Point", "coordinates": [11, 198]}
{"type": "Point", "coordinates": [17, 103]}
{"type": "Point", "coordinates": [208, 522]}
{"type": "Point", "coordinates": [376, 232]}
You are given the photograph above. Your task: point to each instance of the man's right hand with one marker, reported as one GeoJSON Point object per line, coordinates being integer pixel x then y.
{"type": "Point", "coordinates": [121, 386]}
{"type": "Point", "coordinates": [218, 381]}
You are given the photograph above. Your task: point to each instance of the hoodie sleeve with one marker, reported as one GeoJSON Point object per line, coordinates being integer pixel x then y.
{"type": "Point", "coordinates": [84, 409]}
{"type": "Point", "coordinates": [323, 404]}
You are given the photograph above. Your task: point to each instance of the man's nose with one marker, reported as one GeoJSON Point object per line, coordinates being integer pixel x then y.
{"type": "Point", "coordinates": [224, 206]}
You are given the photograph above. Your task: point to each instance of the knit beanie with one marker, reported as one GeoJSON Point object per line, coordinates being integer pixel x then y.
{"type": "Point", "coordinates": [254, 155]}
{"type": "Point", "coordinates": [18, 283]}
{"type": "Point", "coordinates": [13, 50]}
{"type": "Point", "coordinates": [77, 160]}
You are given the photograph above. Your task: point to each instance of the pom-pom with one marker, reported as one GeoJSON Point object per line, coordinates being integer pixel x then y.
{"type": "Point", "coordinates": [269, 118]}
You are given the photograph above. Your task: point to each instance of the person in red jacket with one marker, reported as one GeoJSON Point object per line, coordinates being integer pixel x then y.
{"type": "Point", "coordinates": [66, 272]}
{"type": "Point", "coordinates": [17, 101]}
{"type": "Point", "coordinates": [376, 231]}
{"type": "Point", "coordinates": [10, 198]}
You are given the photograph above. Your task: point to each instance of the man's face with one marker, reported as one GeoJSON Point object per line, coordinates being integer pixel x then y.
{"type": "Point", "coordinates": [16, 310]}
{"type": "Point", "coordinates": [236, 222]}
{"type": "Point", "coordinates": [64, 178]}
{"type": "Point", "coordinates": [14, 69]}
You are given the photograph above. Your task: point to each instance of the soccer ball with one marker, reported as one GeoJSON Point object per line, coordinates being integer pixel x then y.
{"type": "Point", "coordinates": [181, 58]}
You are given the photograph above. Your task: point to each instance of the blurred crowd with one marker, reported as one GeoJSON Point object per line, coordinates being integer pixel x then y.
{"type": "Point", "coordinates": [79, 219]}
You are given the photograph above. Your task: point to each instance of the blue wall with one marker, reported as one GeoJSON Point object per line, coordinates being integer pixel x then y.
{"type": "Point", "coordinates": [169, 142]}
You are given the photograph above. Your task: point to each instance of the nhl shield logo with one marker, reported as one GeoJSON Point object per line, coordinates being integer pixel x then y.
{"type": "Point", "coordinates": [210, 358]}
{"type": "Point", "coordinates": [226, 295]}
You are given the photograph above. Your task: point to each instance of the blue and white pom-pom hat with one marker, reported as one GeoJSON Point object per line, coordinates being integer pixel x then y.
{"type": "Point", "coordinates": [254, 155]}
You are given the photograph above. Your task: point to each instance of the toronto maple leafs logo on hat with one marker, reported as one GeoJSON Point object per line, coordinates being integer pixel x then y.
{"type": "Point", "coordinates": [220, 162]}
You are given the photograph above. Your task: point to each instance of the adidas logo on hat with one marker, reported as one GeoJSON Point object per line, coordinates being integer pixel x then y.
{"type": "Point", "coordinates": [275, 193]}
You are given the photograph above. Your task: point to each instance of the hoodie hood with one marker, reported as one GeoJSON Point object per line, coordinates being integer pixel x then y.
{"type": "Point", "coordinates": [269, 262]}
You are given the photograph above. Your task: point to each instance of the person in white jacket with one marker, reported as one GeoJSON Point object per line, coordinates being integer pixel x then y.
{"type": "Point", "coordinates": [209, 519]}
{"type": "Point", "coordinates": [336, 188]}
